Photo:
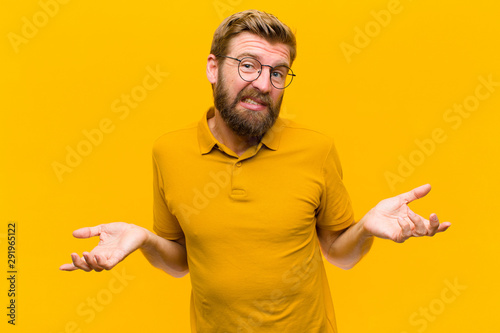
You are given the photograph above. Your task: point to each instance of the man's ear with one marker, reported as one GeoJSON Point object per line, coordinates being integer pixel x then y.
{"type": "Point", "coordinates": [212, 69]}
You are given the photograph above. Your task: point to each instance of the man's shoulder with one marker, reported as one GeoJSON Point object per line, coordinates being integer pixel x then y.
{"type": "Point", "coordinates": [175, 139]}
{"type": "Point", "coordinates": [301, 134]}
{"type": "Point", "coordinates": [317, 147]}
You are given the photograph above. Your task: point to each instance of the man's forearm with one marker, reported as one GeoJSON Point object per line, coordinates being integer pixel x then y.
{"type": "Point", "coordinates": [165, 254]}
{"type": "Point", "coordinates": [350, 246]}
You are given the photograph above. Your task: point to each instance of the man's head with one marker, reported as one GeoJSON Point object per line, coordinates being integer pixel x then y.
{"type": "Point", "coordinates": [249, 108]}
{"type": "Point", "coordinates": [261, 24]}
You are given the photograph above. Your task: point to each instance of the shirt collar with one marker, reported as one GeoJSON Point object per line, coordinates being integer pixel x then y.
{"type": "Point", "coordinates": [272, 137]}
{"type": "Point", "coordinates": [207, 141]}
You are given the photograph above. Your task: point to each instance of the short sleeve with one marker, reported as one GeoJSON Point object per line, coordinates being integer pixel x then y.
{"type": "Point", "coordinates": [335, 210]}
{"type": "Point", "coordinates": [165, 224]}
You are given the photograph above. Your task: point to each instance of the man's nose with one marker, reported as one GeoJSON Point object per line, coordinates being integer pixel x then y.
{"type": "Point", "coordinates": [263, 82]}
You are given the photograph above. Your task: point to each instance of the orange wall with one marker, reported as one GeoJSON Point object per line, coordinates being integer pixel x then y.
{"type": "Point", "coordinates": [409, 90]}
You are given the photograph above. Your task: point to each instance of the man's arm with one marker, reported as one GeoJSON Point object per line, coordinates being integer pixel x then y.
{"type": "Point", "coordinates": [345, 248]}
{"type": "Point", "coordinates": [169, 256]}
{"type": "Point", "coordinates": [118, 240]}
{"type": "Point", "coordinates": [389, 219]}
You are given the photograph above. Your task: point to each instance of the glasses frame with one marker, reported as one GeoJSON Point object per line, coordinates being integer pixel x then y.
{"type": "Point", "coordinates": [260, 71]}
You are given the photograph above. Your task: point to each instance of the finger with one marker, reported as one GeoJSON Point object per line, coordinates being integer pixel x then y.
{"type": "Point", "coordinates": [68, 267]}
{"type": "Point", "coordinates": [420, 228]}
{"type": "Point", "coordinates": [416, 193]}
{"type": "Point", "coordinates": [443, 226]}
{"type": "Point", "coordinates": [405, 229]}
{"type": "Point", "coordinates": [87, 232]}
{"type": "Point", "coordinates": [90, 260]}
{"type": "Point", "coordinates": [433, 224]}
{"type": "Point", "coordinates": [80, 263]}
{"type": "Point", "coordinates": [106, 264]}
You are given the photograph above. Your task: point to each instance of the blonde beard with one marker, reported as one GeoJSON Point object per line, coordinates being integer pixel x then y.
{"type": "Point", "coordinates": [246, 123]}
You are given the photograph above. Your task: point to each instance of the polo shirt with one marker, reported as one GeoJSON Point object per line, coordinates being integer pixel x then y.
{"type": "Point", "coordinates": [250, 225]}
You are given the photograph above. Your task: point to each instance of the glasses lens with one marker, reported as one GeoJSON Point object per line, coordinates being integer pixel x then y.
{"type": "Point", "coordinates": [249, 69]}
{"type": "Point", "coordinates": [281, 76]}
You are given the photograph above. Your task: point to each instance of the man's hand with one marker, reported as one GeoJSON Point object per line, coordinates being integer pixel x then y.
{"type": "Point", "coordinates": [116, 241]}
{"type": "Point", "coordinates": [393, 219]}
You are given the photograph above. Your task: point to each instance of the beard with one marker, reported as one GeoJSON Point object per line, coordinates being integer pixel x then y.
{"type": "Point", "coordinates": [244, 122]}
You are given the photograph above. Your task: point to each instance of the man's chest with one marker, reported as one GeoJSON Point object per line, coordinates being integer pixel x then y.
{"type": "Point", "coordinates": [220, 195]}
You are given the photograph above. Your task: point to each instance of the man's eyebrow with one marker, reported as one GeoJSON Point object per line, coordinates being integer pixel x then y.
{"type": "Point", "coordinates": [253, 55]}
{"type": "Point", "coordinates": [247, 54]}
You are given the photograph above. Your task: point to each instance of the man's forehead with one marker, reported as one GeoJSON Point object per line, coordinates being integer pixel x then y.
{"type": "Point", "coordinates": [247, 43]}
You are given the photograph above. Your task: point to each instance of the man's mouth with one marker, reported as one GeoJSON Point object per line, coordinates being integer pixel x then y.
{"type": "Point", "coordinates": [253, 103]}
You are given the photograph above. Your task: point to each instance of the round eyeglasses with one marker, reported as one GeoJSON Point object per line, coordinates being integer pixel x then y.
{"type": "Point", "coordinates": [250, 69]}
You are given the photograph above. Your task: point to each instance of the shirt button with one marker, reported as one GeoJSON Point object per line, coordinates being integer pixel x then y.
{"type": "Point", "coordinates": [238, 164]}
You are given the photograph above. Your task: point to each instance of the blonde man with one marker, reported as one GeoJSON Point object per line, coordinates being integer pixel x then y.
{"type": "Point", "coordinates": [247, 202]}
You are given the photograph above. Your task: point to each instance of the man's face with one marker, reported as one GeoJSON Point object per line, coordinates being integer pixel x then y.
{"type": "Point", "coordinates": [249, 108]}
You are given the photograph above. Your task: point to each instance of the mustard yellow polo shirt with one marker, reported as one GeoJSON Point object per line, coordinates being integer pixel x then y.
{"type": "Point", "coordinates": [250, 225]}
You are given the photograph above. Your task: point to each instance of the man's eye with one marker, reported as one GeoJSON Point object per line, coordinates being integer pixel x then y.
{"type": "Point", "coordinates": [278, 75]}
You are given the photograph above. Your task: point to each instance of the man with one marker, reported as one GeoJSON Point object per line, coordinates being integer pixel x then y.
{"type": "Point", "coordinates": [246, 201]}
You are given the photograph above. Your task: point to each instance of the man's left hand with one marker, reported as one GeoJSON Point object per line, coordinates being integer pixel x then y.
{"type": "Point", "coordinates": [393, 219]}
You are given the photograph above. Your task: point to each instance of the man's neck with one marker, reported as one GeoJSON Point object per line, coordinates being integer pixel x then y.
{"type": "Point", "coordinates": [238, 144]}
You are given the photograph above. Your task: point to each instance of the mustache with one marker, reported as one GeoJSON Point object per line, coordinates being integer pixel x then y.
{"type": "Point", "coordinates": [265, 98]}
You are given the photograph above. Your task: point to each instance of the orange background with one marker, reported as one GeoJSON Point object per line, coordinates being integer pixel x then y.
{"type": "Point", "coordinates": [408, 67]}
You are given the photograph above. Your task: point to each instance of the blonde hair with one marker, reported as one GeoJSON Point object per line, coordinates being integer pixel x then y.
{"type": "Point", "coordinates": [256, 22]}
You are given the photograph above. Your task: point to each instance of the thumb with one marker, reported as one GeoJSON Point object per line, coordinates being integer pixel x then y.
{"type": "Point", "coordinates": [87, 232]}
{"type": "Point", "coordinates": [416, 193]}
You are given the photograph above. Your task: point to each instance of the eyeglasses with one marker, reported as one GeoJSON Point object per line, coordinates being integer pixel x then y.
{"type": "Point", "coordinates": [250, 69]}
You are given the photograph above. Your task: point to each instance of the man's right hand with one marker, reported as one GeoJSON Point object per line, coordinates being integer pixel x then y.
{"type": "Point", "coordinates": [116, 241]}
